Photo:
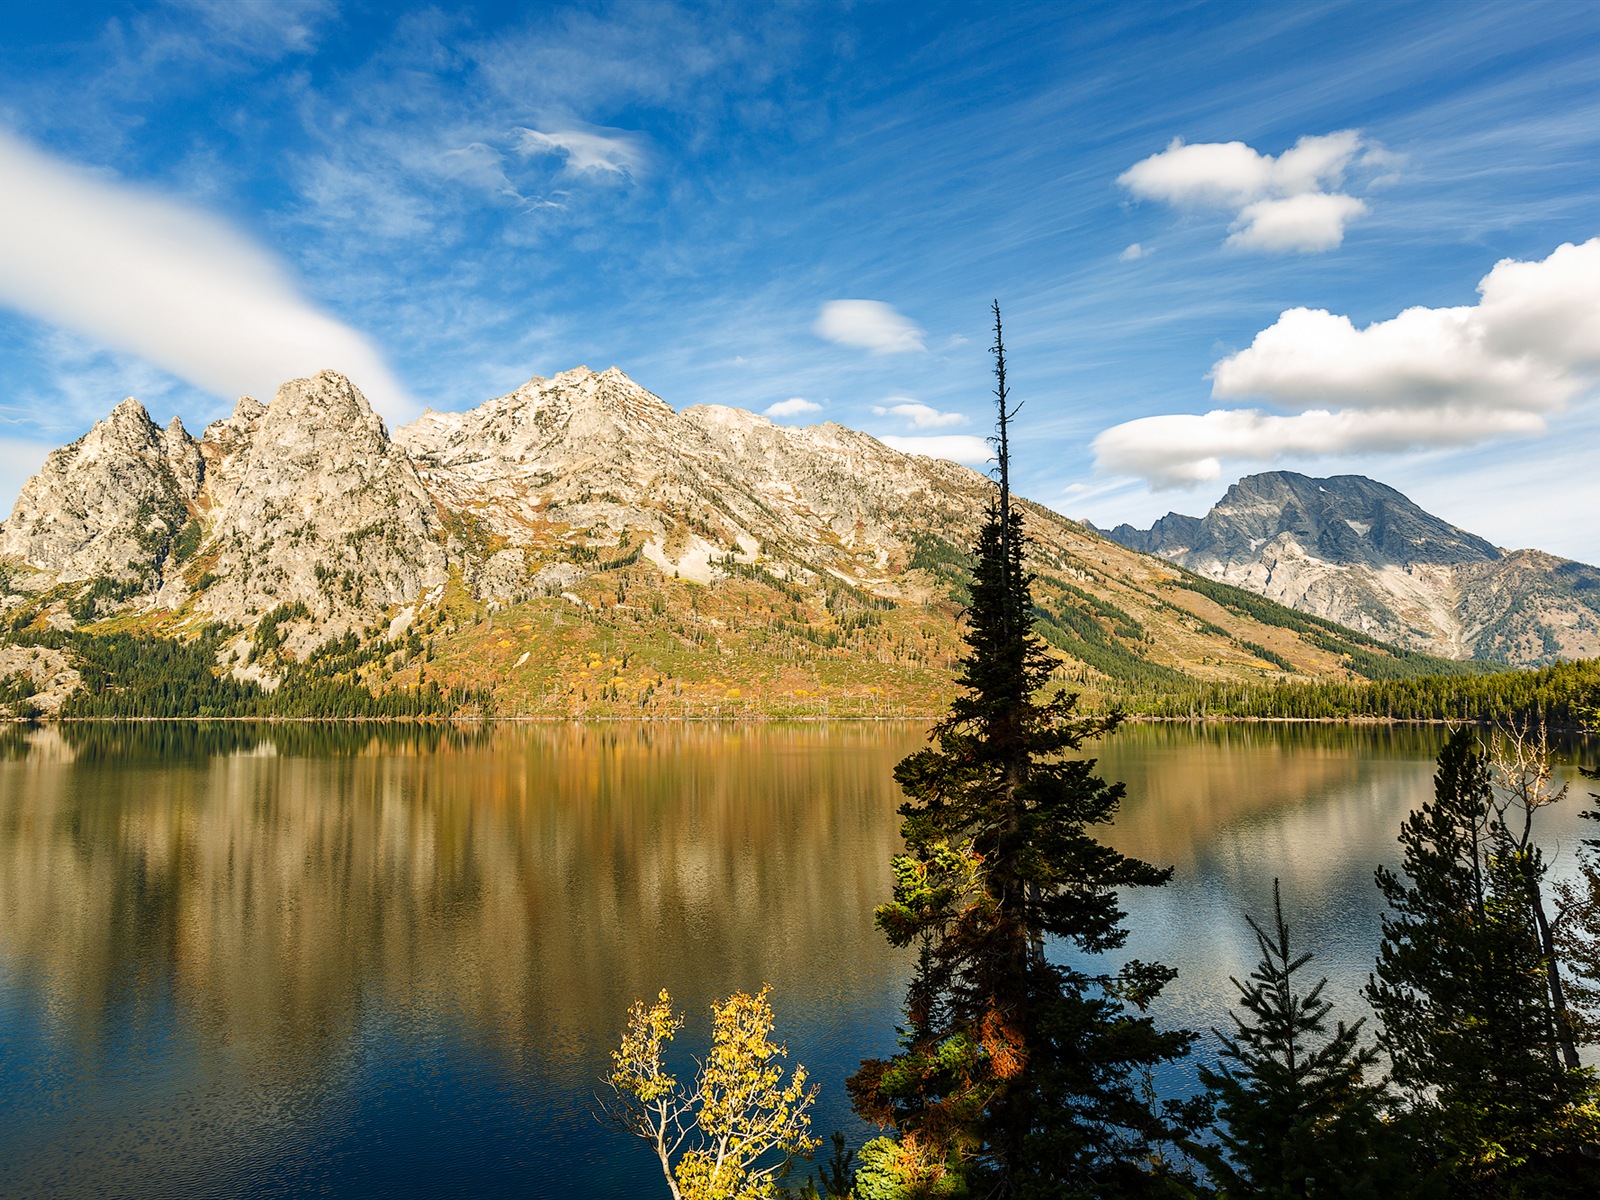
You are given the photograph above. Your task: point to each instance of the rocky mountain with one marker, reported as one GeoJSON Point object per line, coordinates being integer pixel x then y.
{"type": "Point", "coordinates": [1360, 553]}
{"type": "Point", "coordinates": [110, 504]}
{"type": "Point", "coordinates": [309, 501]}
{"type": "Point", "coordinates": [580, 547]}
{"type": "Point", "coordinates": [596, 452]}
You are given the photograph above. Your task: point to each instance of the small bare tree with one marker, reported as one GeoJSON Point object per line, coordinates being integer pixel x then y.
{"type": "Point", "coordinates": [1524, 784]}
{"type": "Point", "coordinates": [710, 1137]}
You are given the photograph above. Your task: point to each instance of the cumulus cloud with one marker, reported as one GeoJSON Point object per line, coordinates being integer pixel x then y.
{"type": "Point", "coordinates": [795, 406]}
{"type": "Point", "coordinates": [1310, 222]}
{"type": "Point", "coordinates": [595, 152]}
{"type": "Point", "coordinates": [920, 415]}
{"type": "Point", "coordinates": [957, 447]}
{"type": "Point", "coordinates": [1280, 204]}
{"type": "Point", "coordinates": [867, 325]}
{"type": "Point", "coordinates": [176, 286]}
{"type": "Point", "coordinates": [1133, 253]}
{"type": "Point", "coordinates": [1426, 378]}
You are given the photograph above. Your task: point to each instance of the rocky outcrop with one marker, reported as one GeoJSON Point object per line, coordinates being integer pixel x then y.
{"type": "Point", "coordinates": [50, 677]}
{"type": "Point", "coordinates": [1361, 553]}
{"type": "Point", "coordinates": [304, 501]}
{"type": "Point", "coordinates": [314, 504]}
{"type": "Point", "coordinates": [587, 455]}
{"type": "Point", "coordinates": [110, 505]}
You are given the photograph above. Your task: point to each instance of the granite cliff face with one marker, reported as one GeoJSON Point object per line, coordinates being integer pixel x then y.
{"type": "Point", "coordinates": [1360, 553]}
{"type": "Point", "coordinates": [539, 544]}
{"type": "Point", "coordinates": [596, 452]}
{"type": "Point", "coordinates": [111, 504]}
{"type": "Point", "coordinates": [311, 502]}
{"type": "Point", "coordinates": [305, 501]}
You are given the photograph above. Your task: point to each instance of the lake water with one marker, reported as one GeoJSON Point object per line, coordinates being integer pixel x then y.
{"type": "Point", "coordinates": [260, 961]}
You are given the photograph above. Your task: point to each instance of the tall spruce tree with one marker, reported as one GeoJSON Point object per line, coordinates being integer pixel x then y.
{"type": "Point", "coordinates": [1461, 993]}
{"type": "Point", "coordinates": [1578, 932]}
{"type": "Point", "coordinates": [1297, 1118]}
{"type": "Point", "coordinates": [1019, 1075]}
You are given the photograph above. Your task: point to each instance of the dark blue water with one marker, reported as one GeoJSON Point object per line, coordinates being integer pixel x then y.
{"type": "Point", "coordinates": [303, 961]}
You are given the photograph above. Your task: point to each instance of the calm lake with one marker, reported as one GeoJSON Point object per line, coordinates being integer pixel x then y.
{"type": "Point", "coordinates": [253, 961]}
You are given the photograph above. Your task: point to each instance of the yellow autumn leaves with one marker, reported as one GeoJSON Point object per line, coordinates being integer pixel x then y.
{"type": "Point", "coordinates": [709, 1136]}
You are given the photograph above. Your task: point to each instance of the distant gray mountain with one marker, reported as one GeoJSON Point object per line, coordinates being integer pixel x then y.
{"type": "Point", "coordinates": [1360, 553]}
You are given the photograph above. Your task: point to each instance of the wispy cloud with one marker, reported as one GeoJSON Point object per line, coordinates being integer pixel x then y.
{"type": "Point", "coordinates": [1429, 377]}
{"type": "Point", "coordinates": [81, 381]}
{"type": "Point", "coordinates": [919, 415]}
{"type": "Point", "coordinates": [180, 288]}
{"type": "Point", "coordinates": [270, 29]}
{"type": "Point", "coordinates": [481, 165]}
{"type": "Point", "coordinates": [1280, 203]}
{"type": "Point", "coordinates": [588, 151]}
{"type": "Point", "coordinates": [957, 447]}
{"type": "Point", "coordinates": [868, 325]}
{"type": "Point", "coordinates": [795, 406]}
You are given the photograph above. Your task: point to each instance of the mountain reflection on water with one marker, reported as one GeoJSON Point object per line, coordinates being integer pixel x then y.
{"type": "Point", "coordinates": [246, 959]}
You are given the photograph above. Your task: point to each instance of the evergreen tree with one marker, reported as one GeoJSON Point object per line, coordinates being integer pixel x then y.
{"type": "Point", "coordinates": [1017, 1075]}
{"type": "Point", "coordinates": [1461, 992]}
{"type": "Point", "coordinates": [1578, 900]}
{"type": "Point", "coordinates": [1298, 1121]}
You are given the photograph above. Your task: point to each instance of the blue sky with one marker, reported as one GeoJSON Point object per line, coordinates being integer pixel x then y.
{"type": "Point", "coordinates": [1277, 215]}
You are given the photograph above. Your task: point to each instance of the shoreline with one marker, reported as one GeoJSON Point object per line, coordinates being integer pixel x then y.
{"type": "Point", "coordinates": [905, 719]}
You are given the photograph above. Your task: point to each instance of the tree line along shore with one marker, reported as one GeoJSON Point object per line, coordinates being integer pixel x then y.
{"type": "Point", "coordinates": [133, 676]}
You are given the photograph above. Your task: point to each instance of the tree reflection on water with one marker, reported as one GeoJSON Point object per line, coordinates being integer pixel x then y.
{"type": "Point", "coordinates": [349, 956]}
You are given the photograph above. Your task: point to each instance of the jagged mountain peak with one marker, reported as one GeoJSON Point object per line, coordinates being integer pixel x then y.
{"type": "Point", "coordinates": [1362, 553]}
{"type": "Point", "coordinates": [590, 403]}
{"type": "Point", "coordinates": [1341, 519]}
{"type": "Point", "coordinates": [129, 414]}
{"type": "Point", "coordinates": [326, 400]}
{"type": "Point", "coordinates": [316, 505]}
{"type": "Point", "coordinates": [108, 505]}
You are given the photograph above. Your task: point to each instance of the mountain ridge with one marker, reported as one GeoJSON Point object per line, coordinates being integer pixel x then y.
{"type": "Point", "coordinates": [579, 547]}
{"type": "Point", "coordinates": [1361, 553]}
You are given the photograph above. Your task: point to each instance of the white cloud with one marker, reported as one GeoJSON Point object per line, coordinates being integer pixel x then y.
{"type": "Point", "coordinates": [957, 447]}
{"type": "Point", "coordinates": [1280, 204]}
{"type": "Point", "coordinates": [1310, 222]}
{"type": "Point", "coordinates": [920, 416]}
{"type": "Point", "coordinates": [868, 325]}
{"type": "Point", "coordinates": [795, 406]}
{"type": "Point", "coordinates": [588, 151]}
{"type": "Point", "coordinates": [1133, 253]}
{"type": "Point", "coordinates": [1426, 378]}
{"type": "Point", "coordinates": [178, 287]}
{"type": "Point", "coordinates": [1177, 450]}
